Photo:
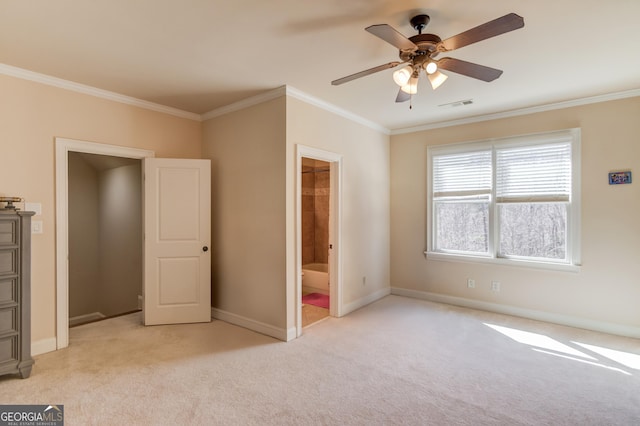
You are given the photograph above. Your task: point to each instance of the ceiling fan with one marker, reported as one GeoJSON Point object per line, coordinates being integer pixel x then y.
{"type": "Point", "coordinates": [419, 53]}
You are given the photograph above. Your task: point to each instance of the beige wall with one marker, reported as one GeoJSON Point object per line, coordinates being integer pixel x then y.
{"type": "Point", "coordinates": [84, 247]}
{"type": "Point", "coordinates": [253, 174]}
{"type": "Point", "coordinates": [120, 238]}
{"type": "Point", "coordinates": [606, 290]}
{"type": "Point", "coordinates": [253, 155]}
{"type": "Point", "coordinates": [364, 199]}
{"type": "Point", "coordinates": [253, 208]}
{"type": "Point", "coordinates": [31, 116]}
{"type": "Point", "coordinates": [247, 152]}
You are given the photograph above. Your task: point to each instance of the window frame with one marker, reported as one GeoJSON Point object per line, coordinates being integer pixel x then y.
{"type": "Point", "coordinates": [573, 254]}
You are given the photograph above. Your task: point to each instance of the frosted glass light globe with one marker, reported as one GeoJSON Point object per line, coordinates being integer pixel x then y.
{"type": "Point", "coordinates": [402, 76]}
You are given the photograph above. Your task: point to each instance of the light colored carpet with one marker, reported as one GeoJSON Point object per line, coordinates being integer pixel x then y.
{"type": "Point", "coordinates": [396, 361]}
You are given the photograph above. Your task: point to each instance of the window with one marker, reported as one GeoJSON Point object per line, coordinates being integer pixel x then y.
{"type": "Point", "coordinates": [508, 200]}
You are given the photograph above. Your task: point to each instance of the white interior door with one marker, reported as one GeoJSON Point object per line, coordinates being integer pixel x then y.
{"type": "Point", "coordinates": [177, 233]}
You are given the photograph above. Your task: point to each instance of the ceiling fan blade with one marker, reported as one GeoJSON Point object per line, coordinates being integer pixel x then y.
{"type": "Point", "coordinates": [365, 72]}
{"type": "Point", "coordinates": [392, 36]}
{"type": "Point", "coordinates": [487, 30]}
{"type": "Point", "coordinates": [469, 69]}
{"type": "Point", "coordinates": [402, 96]}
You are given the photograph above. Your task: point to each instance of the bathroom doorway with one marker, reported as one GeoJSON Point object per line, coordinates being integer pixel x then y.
{"type": "Point", "coordinates": [315, 178]}
{"type": "Point", "coordinates": [318, 160]}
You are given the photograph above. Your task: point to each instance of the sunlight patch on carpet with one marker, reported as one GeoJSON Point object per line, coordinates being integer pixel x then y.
{"type": "Point", "coordinates": [538, 340]}
{"type": "Point", "coordinates": [545, 344]}
{"type": "Point", "coordinates": [625, 358]}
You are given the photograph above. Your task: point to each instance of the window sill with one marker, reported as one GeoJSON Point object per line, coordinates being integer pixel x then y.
{"type": "Point", "coordinates": [448, 257]}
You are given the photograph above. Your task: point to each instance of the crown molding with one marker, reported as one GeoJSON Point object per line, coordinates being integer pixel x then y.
{"type": "Point", "coordinates": [24, 74]}
{"type": "Point", "coordinates": [245, 103]}
{"type": "Point", "coordinates": [93, 91]}
{"type": "Point", "coordinates": [522, 111]}
{"type": "Point", "coordinates": [295, 93]}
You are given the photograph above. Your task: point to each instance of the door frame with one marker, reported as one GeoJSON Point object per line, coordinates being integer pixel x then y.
{"type": "Point", "coordinates": [63, 147]}
{"type": "Point", "coordinates": [335, 234]}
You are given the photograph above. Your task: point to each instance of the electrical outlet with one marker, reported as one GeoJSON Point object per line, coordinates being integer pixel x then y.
{"type": "Point", "coordinates": [495, 286]}
{"type": "Point", "coordinates": [471, 283]}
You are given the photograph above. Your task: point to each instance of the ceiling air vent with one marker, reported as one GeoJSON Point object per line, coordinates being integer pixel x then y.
{"type": "Point", "coordinates": [457, 103]}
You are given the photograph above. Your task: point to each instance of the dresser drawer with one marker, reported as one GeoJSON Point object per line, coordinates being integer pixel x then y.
{"type": "Point", "coordinates": [8, 349]}
{"type": "Point", "coordinates": [8, 262]}
{"type": "Point", "coordinates": [8, 320]}
{"type": "Point", "coordinates": [8, 290]}
{"type": "Point", "coordinates": [8, 232]}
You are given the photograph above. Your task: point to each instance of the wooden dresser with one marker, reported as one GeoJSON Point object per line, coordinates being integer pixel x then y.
{"type": "Point", "coordinates": [15, 292]}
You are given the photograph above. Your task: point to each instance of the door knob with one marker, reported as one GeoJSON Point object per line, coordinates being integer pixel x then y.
{"type": "Point", "coordinates": [205, 248]}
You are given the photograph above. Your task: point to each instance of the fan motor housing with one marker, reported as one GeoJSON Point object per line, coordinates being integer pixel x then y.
{"type": "Point", "coordinates": [427, 46]}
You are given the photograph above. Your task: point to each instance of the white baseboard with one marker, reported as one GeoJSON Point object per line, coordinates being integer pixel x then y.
{"type": "Point", "coordinates": [364, 301]}
{"type": "Point", "coordinates": [251, 324]}
{"type": "Point", "coordinates": [587, 324]}
{"type": "Point", "coordinates": [43, 346]}
{"type": "Point", "coordinates": [292, 333]}
{"type": "Point", "coordinates": [81, 319]}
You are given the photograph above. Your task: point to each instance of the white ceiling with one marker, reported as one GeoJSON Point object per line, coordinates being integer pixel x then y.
{"type": "Point", "coordinates": [200, 55]}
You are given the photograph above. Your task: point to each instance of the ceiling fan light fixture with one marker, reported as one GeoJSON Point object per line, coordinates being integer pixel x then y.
{"type": "Point", "coordinates": [402, 76]}
{"type": "Point", "coordinates": [416, 53]}
{"type": "Point", "coordinates": [411, 87]}
{"type": "Point", "coordinates": [436, 79]}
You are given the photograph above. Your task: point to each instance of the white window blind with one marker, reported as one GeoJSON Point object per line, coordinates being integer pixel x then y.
{"type": "Point", "coordinates": [538, 173]}
{"type": "Point", "coordinates": [513, 200]}
{"type": "Point", "coordinates": [462, 175]}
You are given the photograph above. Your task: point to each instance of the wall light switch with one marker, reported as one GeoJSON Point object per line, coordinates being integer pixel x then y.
{"type": "Point", "coordinates": [36, 227]}
{"type": "Point", "coordinates": [34, 207]}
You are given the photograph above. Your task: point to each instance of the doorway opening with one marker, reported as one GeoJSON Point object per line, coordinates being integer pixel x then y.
{"type": "Point", "coordinates": [316, 192]}
{"type": "Point", "coordinates": [318, 253]}
{"type": "Point", "coordinates": [105, 236]}
{"type": "Point", "coordinates": [64, 147]}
